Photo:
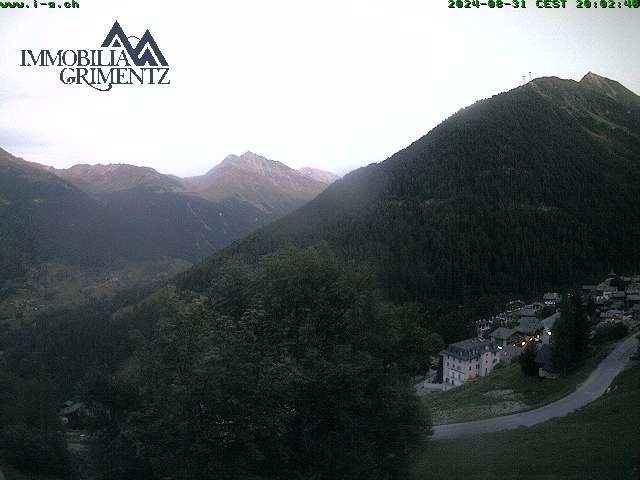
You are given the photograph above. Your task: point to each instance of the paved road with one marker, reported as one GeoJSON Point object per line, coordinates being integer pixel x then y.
{"type": "Point", "coordinates": [591, 389]}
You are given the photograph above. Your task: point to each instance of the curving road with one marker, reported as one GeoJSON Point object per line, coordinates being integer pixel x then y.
{"type": "Point", "coordinates": [592, 388]}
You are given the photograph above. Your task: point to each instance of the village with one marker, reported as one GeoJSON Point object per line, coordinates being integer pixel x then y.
{"type": "Point", "coordinates": [612, 305]}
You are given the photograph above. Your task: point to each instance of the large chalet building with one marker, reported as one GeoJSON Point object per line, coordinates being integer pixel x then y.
{"type": "Point", "coordinates": [468, 359]}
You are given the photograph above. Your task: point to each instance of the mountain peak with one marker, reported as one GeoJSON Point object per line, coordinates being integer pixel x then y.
{"type": "Point", "coordinates": [252, 162]}
{"type": "Point", "coordinates": [270, 185]}
{"type": "Point", "coordinates": [319, 175]}
{"type": "Point", "coordinates": [250, 154]}
{"type": "Point", "coordinates": [592, 76]}
{"type": "Point", "coordinates": [610, 88]}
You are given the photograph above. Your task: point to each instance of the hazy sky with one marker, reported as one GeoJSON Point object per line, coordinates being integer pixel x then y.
{"type": "Point", "coordinates": [334, 84]}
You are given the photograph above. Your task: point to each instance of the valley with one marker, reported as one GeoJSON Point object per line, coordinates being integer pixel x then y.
{"type": "Point", "coordinates": [262, 322]}
{"type": "Point", "coordinates": [90, 230]}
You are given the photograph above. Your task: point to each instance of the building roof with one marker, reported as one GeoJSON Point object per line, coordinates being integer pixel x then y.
{"type": "Point", "coordinates": [502, 333]}
{"type": "Point", "coordinates": [529, 326]}
{"type": "Point", "coordinates": [71, 409]}
{"type": "Point", "coordinates": [527, 312]}
{"type": "Point", "coordinates": [549, 322]}
{"type": "Point", "coordinates": [470, 348]}
{"type": "Point", "coordinates": [515, 305]}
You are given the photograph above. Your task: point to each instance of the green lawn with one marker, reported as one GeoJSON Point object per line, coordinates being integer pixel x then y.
{"type": "Point", "coordinates": [506, 391]}
{"type": "Point", "coordinates": [12, 474]}
{"type": "Point", "coordinates": [601, 441]}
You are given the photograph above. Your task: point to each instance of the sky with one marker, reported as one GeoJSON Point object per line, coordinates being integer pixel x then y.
{"type": "Point", "coordinates": [333, 84]}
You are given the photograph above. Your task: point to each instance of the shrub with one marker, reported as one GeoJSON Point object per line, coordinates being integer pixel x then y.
{"type": "Point", "coordinates": [34, 451]}
{"type": "Point", "coordinates": [609, 332]}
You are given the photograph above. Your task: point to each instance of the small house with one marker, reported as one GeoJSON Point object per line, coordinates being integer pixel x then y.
{"type": "Point", "coordinates": [612, 315]}
{"type": "Point", "coordinates": [530, 328]}
{"type": "Point", "coordinates": [71, 413]}
{"type": "Point", "coordinates": [633, 299]}
{"type": "Point", "coordinates": [552, 299]}
{"type": "Point", "coordinates": [504, 336]}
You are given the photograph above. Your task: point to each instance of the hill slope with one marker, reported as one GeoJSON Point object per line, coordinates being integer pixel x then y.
{"type": "Point", "coordinates": [534, 187]}
{"type": "Point", "coordinates": [176, 224]}
{"type": "Point", "coordinates": [43, 216]}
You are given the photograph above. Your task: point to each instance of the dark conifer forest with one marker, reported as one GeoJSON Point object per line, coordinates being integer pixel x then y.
{"type": "Point", "coordinates": [531, 189]}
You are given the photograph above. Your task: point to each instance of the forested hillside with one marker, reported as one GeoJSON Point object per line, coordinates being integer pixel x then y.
{"type": "Point", "coordinates": [533, 188]}
{"type": "Point", "coordinates": [43, 216]}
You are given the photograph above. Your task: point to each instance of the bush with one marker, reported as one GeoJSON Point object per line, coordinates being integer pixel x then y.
{"type": "Point", "coordinates": [34, 451]}
{"type": "Point", "coordinates": [294, 369]}
{"type": "Point", "coordinates": [609, 332]}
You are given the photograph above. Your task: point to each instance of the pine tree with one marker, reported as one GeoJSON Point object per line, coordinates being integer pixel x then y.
{"type": "Point", "coordinates": [528, 361]}
{"type": "Point", "coordinates": [582, 329]}
{"type": "Point", "coordinates": [571, 335]}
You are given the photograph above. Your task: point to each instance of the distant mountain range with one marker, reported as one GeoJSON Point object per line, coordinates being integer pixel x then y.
{"type": "Point", "coordinates": [270, 186]}
{"type": "Point", "coordinates": [535, 187]}
{"type": "Point", "coordinates": [321, 176]}
{"type": "Point", "coordinates": [116, 178]}
{"type": "Point", "coordinates": [91, 214]}
{"type": "Point", "coordinates": [532, 188]}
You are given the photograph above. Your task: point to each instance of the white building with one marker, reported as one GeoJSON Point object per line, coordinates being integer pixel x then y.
{"type": "Point", "coordinates": [469, 359]}
{"type": "Point", "coordinates": [551, 299]}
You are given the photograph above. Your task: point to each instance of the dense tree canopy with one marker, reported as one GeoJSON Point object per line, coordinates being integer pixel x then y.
{"type": "Point", "coordinates": [294, 369]}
